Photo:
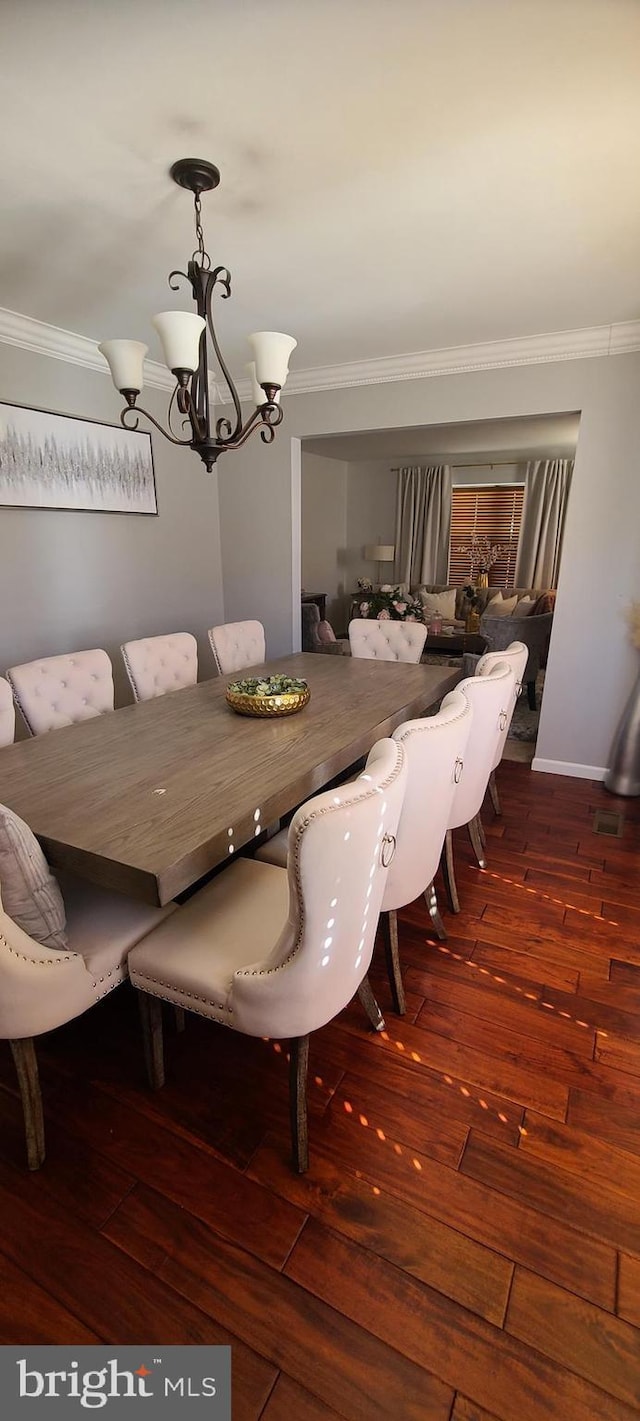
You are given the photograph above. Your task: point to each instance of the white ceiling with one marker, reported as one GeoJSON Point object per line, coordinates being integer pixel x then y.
{"type": "Point", "coordinates": [395, 177]}
{"type": "Point", "coordinates": [537, 436]}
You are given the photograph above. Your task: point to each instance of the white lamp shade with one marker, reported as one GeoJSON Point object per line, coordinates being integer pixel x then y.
{"type": "Point", "coordinates": [257, 393]}
{"type": "Point", "coordinates": [380, 552]}
{"type": "Point", "coordinates": [125, 359]}
{"type": "Point", "coordinates": [271, 351]}
{"type": "Point", "coordinates": [180, 333]}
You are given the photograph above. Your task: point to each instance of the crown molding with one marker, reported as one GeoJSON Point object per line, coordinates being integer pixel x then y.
{"type": "Point", "coordinates": [620, 338]}
{"type": "Point", "coordinates": [43, 339]}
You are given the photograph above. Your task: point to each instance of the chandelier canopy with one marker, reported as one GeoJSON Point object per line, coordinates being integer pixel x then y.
{"type": "Point", "coordinates": [183, 335]}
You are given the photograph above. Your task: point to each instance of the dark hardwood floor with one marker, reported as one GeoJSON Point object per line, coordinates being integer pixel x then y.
{"type": "Point", "coordinates": [466, 1243]}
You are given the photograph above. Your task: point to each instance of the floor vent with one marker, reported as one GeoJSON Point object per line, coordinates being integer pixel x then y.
{"type": "Point", "coordinates": [608, 821]}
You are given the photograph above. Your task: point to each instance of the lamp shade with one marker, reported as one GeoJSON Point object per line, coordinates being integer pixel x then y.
{"type": "Point", "coordinates": [125, 359]}
{"type": "Point", "coordinates": [180, 333]}
{"type": "Point", "coordinates": [257, 393]}
{"type": "Point", "coordinates": [271, 351]}
{"type": "Point", "coordinates": [380, 552]}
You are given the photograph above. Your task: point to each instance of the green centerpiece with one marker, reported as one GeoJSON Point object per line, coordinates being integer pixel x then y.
{"type": "Point", "coordinates": [268, 695]}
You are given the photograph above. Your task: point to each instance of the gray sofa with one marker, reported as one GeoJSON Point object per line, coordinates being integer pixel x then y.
{"type": "Point", "coordinates": [484, 595]}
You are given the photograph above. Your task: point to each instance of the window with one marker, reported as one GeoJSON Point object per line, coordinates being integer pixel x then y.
{"type": "Point", "coordinates": [494, 511]}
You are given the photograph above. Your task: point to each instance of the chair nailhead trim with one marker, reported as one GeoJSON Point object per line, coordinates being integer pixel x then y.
{"type": "Point", "coordinates": [193, 996]}
{"type": "Point", "coordinates": [53, 961]}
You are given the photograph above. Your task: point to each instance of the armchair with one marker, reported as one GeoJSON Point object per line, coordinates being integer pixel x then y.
{"type": "Point", "coordinates": [500, 632]}
{"type": "Point", "coordinates": [310, 638]}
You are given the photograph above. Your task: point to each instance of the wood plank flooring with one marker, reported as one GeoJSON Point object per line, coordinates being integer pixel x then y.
{"type": "Point", "coordinates": [466, 1244]}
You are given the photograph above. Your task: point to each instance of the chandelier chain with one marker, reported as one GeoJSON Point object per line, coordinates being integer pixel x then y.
{"type": "Point", "coordinates": [205, 260]}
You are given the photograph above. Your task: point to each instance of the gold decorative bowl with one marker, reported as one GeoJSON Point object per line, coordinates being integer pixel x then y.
{"type": "Point", "coordinates": [276, 703]}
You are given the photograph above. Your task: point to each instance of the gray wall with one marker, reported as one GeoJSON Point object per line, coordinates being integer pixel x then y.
{"type": "Point", "coordinates": [592, 664]}
{"type": "Point", "coordinates": [71, 580]}
{"type": "Point", "coordinates": [371, 517]}
{"type": "Point", "coordinates": [344, 508]}
{"type": "Point", "coordinates": [324, 530]}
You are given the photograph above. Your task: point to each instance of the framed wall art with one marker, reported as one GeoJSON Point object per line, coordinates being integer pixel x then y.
{"type": "Point", "coordinates": [59, 461]}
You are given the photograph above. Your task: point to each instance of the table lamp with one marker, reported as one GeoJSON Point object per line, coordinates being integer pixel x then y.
{"type": "Point", "coordinates": [379, 553]}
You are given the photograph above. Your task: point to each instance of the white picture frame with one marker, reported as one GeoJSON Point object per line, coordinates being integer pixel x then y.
{"type": "Point", "coordinates": [61, 461]}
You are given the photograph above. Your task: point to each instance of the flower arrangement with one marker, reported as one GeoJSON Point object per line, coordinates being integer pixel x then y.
{"type": "Point", "coordinates": [268, 685]}
{"type": "Point", "coordinates": [633, 623]}
{"type": "Point", "coordinates": [482, 553]}
{"type": "Point", "coordinates": [392, 604]}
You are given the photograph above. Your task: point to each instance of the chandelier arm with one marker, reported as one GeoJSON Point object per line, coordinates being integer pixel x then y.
{"type": "Point", "coordinates": [172, 404]}
{"type": "Point", "coordinates": [221, 276]}
{"type": "Point", "coordinates": [186, 405]}
{"type": "Point", "coordinates": [174, 284]}
{"type": "Point", "coordinates": [135, 411]}
{"type": "Point", "coordinates": [266, 418]}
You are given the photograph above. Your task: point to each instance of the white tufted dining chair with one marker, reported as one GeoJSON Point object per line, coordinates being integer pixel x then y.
{"type": "Point", "coordinates": [278, 953]}
{"type": "Point", "coordinates": [61, 690]}
{"type": "Point", "coordinates": [41, 989]}
{"type": "Point", "coordinates": [7, 713]}
{"type": "Point", "coordinates": [387, 640]}
{"type": "Point", "coordinates": [237, 645]}
{"type": "Point", "coordinates": [516, 656]}
{"type": "Point", "coordinates": [158, 664]}
{"type": "Point", "coordinates": [491, 697]}
{"type": "Point", "coordinates": [435, 749]}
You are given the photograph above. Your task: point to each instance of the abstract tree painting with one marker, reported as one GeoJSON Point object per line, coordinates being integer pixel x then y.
{"type": "Point", "coordinates": [57, 461]}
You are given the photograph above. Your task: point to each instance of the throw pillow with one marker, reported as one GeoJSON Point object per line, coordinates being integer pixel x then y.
{"type": "Point", "coordinates": [30, 894]}
{"type": "Point", "coordinates": [545, 603]}
{"type": "Point", "coordinates": [440, 604]}
{"type": "Point", "coordinates": [501, 606]}
{"type": "Point", "coordinates": [524, 607]}
{"type": "Point", "coordinates": [326, 632]}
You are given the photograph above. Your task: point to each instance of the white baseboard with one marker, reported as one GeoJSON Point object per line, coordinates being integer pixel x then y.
{"type": "Point", "coordinates": [567, 767]}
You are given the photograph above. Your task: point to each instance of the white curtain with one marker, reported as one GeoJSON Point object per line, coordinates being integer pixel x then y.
{"type": "Point", "coordinates": [543, 518]}
{"type": "Point", "coordinates": [423, 524]}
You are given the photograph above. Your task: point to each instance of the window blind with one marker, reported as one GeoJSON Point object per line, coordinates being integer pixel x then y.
{"type": "Point", "coordinates": [495, 512]}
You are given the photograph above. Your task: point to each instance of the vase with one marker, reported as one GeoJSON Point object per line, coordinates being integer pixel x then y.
{"type": "Point", "coordinates": [472, 622]}
{"type": "Point", "coordinates": [624, 775]}
{"type": "Point", "coordinates": [482, 579]}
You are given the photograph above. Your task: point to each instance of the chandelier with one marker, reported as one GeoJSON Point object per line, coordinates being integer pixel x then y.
{"type": "Point", "coordinates": [183, 335]}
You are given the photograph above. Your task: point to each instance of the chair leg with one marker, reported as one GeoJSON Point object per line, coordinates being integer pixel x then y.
{"type": "Point", "coordinates": [368, 1001]}
{"type": "Point", "coordinates": [493, 793]}
{"type": "Point", "coordinates": [26, 1064]}
{"type": "Point", "coordinates": [298, 1068]}
{"type": "Point", "coordinates": [151, 1018]}
{"type": "Point", "coordinates": [531, 695]}
{"type": "Point", "coordinates": [483, 837]}
{"type": "Point", "coordinates": [394, 970]}
{"type": "Point", "coordinates": [180, 1019]}
{"type": "Point", "coordinates": [448, 873]}
{"type": "Point", "coordinates": [434, 913]}
{"type": "Point", "coordinates": [476, 841]}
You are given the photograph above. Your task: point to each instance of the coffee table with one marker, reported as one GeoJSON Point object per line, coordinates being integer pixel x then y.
{"type": "Point", "coordinates": [457, 643]}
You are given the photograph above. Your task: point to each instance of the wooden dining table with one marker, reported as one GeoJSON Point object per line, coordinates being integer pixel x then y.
{"type": "Point", "coordinates": [149, 798]}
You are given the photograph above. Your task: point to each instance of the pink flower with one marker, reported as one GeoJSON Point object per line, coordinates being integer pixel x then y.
{"type": "Point", "coordinates": [384, 615]}
{"type": "Point", "coordinates": [364, 609]}
{"type": "Point", "coordinates": [410, 617]}
{"type": "Point", "coordinates": [400, 607]}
